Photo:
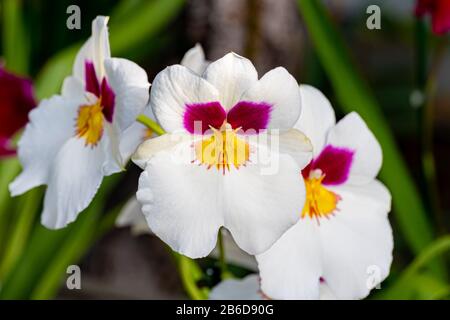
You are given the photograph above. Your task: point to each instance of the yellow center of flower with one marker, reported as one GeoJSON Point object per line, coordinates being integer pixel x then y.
{"type": "Point", "coordinates": [90, 123]}
{"type": "Point", "coordinates": [223, 149]}
{"type": "Point", "coordinates": [320, 202]}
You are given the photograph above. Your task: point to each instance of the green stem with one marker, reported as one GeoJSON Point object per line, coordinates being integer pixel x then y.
{"type": "Point", "coordinates": [190, 273]}
{"type": "Point", "coordinates": [424, 259]}
{"type": "Point", "coordinates": [222, 260]}
{"type": "Point", "coordinates": [152, 125]}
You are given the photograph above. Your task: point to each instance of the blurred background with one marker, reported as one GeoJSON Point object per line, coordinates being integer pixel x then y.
{"type": "Point", "coordinates": [392, 61]}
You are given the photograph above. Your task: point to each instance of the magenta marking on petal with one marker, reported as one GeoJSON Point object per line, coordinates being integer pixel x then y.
{"type": "Point", "coordinates": [198, 117]}
{"type": "Point", "coordinates": [335, 163]}
{"type": "Point", "coordinates": [90, 77]}
{"type": "Point", "coordinates": [249, 115]}
{"type": "Point", "coordinates": [108, 100]}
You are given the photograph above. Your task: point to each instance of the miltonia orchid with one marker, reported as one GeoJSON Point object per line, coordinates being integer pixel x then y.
{"type": "Point", "coordinates": [213, 123]}
{"type": "Point", "coordinates": [73, 139]}
{"type": "Point", "coordinates": [343, 239]}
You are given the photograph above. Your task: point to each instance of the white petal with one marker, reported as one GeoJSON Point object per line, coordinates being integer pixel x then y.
{"type": "Point", "coordinates": [95, 49]}
{"type": "Point", "coordinates": [352, 133]}
{"type": "Point", "coordinates": [172, 89]}
{"type": "Point", "coordinates": [261, 202]}
{"type": "Point", "coordinates": [231, 75]}
{"type": "Point", "coordinates": [317, 117]}
{"type": "Point", "coordinates": [182, 202]}
{"type": "Point", "coordinates": [291, 268]}
{"type": "Point", "coordinates": [357, 242]}
{"type": "Point", "coordinates": [297, 145]}
{"type": "Point", "coordinates": [75, 178]}
{"type": "Point", "coordinates": [132, 216]}
{"type": "Point", "coordinates": [278, 88]}
{"type": "Point", "coordinates": [194, 59]}
{"type": "Point", "coordinates": [51, 124]}
{"type": "Point", "coordinates": [72, 88]}
{"type": "Point", "coordinates": [151, 147]}
{"type": "Point", "coordinates": [237, 289]}
{"type": "Point", "coordinates": [326, 293]}
{"type": "Point", "coordinates": [130, 86]}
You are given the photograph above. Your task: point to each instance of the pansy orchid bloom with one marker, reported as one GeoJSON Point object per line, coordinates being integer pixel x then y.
{"type": "Point", "coordinates": [73, 140]}
{"type": "Point", "coordinates": [343, 238]}
{"type": "Point", "coordinates": [439, 11]}
{"type": "Point", "coordinates": [206, 171]}
{"type": "Point", "coordinates": [248, 288]}
{"type": "Point", "coordinates": [16, 101]}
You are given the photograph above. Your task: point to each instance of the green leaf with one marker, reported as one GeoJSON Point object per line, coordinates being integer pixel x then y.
{"type": "Point", "coordinates": [16, 42]}
{"type": "Point", "coordinates": [354, 95]}
{"type": "Point", "coordinates": [26, 209]}
{"type": "Point", "coordinates": [407, 277]}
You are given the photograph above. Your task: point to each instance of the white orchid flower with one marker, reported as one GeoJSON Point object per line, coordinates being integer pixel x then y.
{"type": "Point", "coordinates": [249, 288]}
{"type": "Point", "coordinates": [72, 140]}
{"type": "Point", "coordinates": [206, 172]}
{"type": "Point", "coordinates": [343, 238]}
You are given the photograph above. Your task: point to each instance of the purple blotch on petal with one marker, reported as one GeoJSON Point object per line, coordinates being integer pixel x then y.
{"type": "Point", "coordinates": [108, 100]}
{"type": "Point", "coordinates": [198, 117]}
{"type": "Point", "coordinates": [335, 163]}
{"type": "Point", "coordinates": [249, 115]}
{"type": "Point", "coordinates": [91, 80]}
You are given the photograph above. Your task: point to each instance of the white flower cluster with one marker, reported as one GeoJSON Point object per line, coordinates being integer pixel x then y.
{"type": "Point", "coordinates": [311, 210]}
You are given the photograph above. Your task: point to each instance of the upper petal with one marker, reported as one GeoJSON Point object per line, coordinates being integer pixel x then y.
{"type": "Point", "coordinates": [352, 133]}
{"type": "Point", "coordinates": [194, 59]}
{"type": "Point", "coordinates": [231, 75]}
{"type": "Point", "coordinates": [130, 85]}
{"type": "Point", "coordinates": [51, 124]}
{"type": "Point", "coordinates": [95, 49]}
{"type": "Point", "coordinates": [317, 117]}
{"type": "Point", "coordinates": [279, 89]}
{"type": "Point", "coordinates": [76, 175]}
{"type": "Point", "coordinates": [173, 89]}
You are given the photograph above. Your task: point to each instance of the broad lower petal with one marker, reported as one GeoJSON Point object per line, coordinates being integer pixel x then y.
{"type": "Point", "coordinates": [291, 268]}
{"type": "Point", "coordinates": [262, 201]}
{"type": "Point", "coordinates": [74, 180]}
{"type": "Point", "coordinates": [182, 202]}
{"type": "Point", "coordinates": [357, 241]}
